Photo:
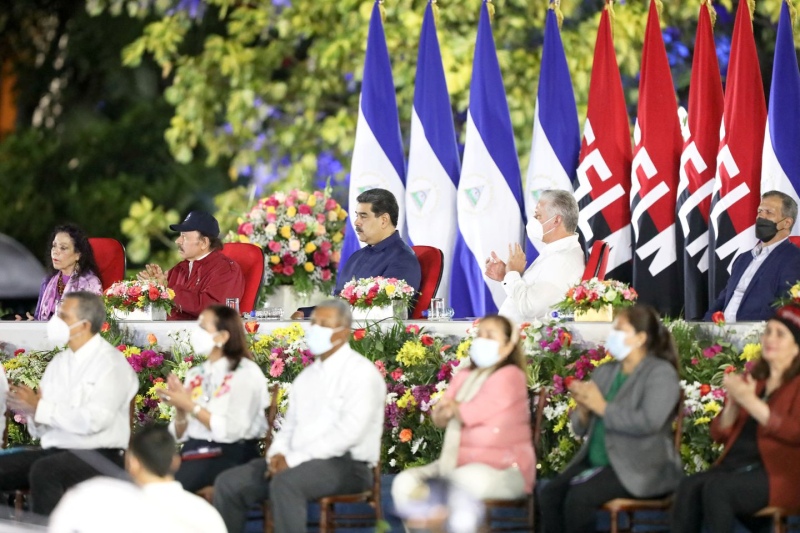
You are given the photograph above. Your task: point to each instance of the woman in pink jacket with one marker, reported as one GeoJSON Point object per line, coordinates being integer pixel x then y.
{"type": "Point", "coordinates": [488, 448]}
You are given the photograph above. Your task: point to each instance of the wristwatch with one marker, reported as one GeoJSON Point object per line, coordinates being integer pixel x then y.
{"type": "Point", "coordinates": [196, 410]}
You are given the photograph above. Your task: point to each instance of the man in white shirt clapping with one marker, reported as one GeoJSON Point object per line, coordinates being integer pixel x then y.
{"type": "Point", "coordinates": [532, 293]}
{"type": "Point", "coordinates": [80, 410]}
{"type": "Point", "coordinates": [329, 440]}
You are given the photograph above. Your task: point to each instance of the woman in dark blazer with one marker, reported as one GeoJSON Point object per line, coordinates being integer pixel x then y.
{"type": "Point", "coordinates": [625, 412]}
{"type": "Point", "coordinates": [760, 428]}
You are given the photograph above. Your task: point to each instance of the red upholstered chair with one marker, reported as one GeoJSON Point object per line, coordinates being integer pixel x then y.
{"type": "Point", "coordinates": [598, 261]}
{"type": "Point", "coordinates": [251, 260]}
{"type": "Point", "coordinates": [110, 257]}
{"type": "Point", "coordinates": [795, 240]}
{"type": "Point", "coordinates": [431, 261]}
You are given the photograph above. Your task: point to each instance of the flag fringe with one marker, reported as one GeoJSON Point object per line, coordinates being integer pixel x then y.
{"type": "Point", "coordinates": [752, 5]}
{"type": "Point", "coordinates": [611, 16]}
{"type": "Point", "coordinates": [711, 11]}
{"type": "Point", "coordinates": [659, 8]}
{"type": "Point", "coordinates": [555, 5]}
{"type": "Point", "coordinates": [383, 12]}
{"type": "Point", "coordinates": [435, 9]}
{"type": "Point", "coordinates": [490, 9]}
{"type": "Point", "coordinates": [792, 12]}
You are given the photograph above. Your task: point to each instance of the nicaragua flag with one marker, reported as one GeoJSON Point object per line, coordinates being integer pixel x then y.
{"type": "Point", "coordinates": [378, 151]}
{"type": "Point", "coordinates": [780, 170]}
{"type": "Point", "coordinates": [433, 160]}
{"type": "Point", "coordinates": [490, 212]}
{"type": "Point", "coordinates": [556, 141]}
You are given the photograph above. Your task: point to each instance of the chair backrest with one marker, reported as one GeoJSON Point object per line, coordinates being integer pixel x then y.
{"type": "Point", "coordinates": [679, 422]}
{"type": "Point", "coordinates": [109, 254]}
{"type": "Point", "coordinates": [539, 405]}
{"type": "Point", "coordinates": [272, 413]}
{"type": "Point", "coordinates": [795, 240]}
{"type": "Point", "coordinates": [8, 416]}
{"type": "Point", "coordinates": [250, 259]}
{"type": "Point", "coordinates": [598, 261]}
{"type": "Point", "coordinates": [431, 261]}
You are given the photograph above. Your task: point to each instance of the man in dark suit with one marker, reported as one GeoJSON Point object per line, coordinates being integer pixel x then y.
{"type": "Point", "coordinates": [766, 273]}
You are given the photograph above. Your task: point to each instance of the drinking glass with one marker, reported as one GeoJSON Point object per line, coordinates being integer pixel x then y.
{"type": "Point", "coordinates": [437, 309]}
{"type": "Point", "coordinates": [233, 303]}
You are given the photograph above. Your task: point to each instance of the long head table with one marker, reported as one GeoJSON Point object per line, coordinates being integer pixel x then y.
{"type": "Point", "coordinates": [33, 335]}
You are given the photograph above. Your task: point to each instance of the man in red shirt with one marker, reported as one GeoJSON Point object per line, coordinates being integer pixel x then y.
{"type": "Point", "coordinates": [205, 276]}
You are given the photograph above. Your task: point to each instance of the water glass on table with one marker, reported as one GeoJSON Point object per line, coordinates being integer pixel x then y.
{"type": "Point", "coordinates": [436, 311]}
{"type": "Point", "coordinates": [233, 303]}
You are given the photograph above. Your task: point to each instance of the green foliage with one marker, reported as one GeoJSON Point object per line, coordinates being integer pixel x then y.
{"type": "Point", "coordinates": [144, 223]}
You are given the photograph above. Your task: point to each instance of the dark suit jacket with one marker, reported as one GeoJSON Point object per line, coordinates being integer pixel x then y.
{"type": "Point", "coordinates": [781, 269]}
{"type": "Point", "coordinates": [639, 437]}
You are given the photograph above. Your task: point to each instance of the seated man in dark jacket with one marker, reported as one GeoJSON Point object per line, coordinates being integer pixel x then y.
{"type": "Point", "coordinates": [205, 276]}
{"type": "Point", "coordinates": [766, 273]}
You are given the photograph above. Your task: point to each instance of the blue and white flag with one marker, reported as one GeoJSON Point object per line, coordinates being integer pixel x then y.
{"type": "Point", "coordinates": [556, 141]}
{"type": "Point", "coordinates": [780, 168]}
{"type": "Point", "coordinates": [490, 211]}
{"type": "Point", "coordinates": [433, 161]}
{"type": "Point", "coordinates": [378, 151]}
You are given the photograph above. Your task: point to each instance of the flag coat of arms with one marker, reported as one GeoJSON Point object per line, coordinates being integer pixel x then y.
{"type": "Point", "coordinates": [556, 140]}
{"type": "Point", "coordinates": [657, 272]}
{"type": "Point", "coordinates": [489, 201]}
{"type": "Point", "coordinates": [604, 174]}
{"type": "Point", "coordinates": [698, 162]}
{"type": "Point", "coordinates": [738, 173]}
{"type": "Point", "coordinates": [433, 160]}
{"type": "Point", "coordinates": [781, 159]}
{"type": "Point", "coordinates": [378, 160]}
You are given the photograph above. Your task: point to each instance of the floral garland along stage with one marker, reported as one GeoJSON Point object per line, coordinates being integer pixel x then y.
{"type": "Point", "coordinates": [418, 366]}
{"type": "Point", "coordinates": [301, 234]}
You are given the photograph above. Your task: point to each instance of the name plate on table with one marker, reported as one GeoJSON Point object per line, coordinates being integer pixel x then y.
{"type": "Point", "coordinates": [148, 314]}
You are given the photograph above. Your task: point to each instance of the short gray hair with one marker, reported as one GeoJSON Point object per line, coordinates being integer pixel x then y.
{"type": "Point", "coordinates": [90, 308]}
{"type": "Point", "coordinates": [562, 203]}
{"type": "Point", "coordinates": [788, 205]}
{"type": "Point", "coordinates": [341, 308]}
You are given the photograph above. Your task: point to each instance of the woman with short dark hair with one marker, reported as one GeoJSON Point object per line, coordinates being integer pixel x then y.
{"type": "Point", "coordinates": [220, 405]}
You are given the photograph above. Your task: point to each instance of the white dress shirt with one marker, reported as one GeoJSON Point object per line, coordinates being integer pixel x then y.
{"type": "Point", "coordinates": [104, 504]}
{"type": "Point", "coordinates": [86, 398]}
{"type": "Point", "coordinates": [760, 254]}
{"type": "Point", "coordinates": [185, 511]}
{"type": "Point", "coordinates": [236, 400]}
{"type": "Point", "coordinates": [3, 397]}
{"type": "Point", "coordinates": [545, 283]}
{"type": "Point", "coordinates": [335, 406]}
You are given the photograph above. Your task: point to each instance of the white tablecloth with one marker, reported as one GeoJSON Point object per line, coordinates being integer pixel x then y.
{"type": "Point", "coordinates": [33, 336]}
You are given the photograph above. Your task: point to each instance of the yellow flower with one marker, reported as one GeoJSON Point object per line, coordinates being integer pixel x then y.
{"type": "Point", "coordinates": [406, 399]}
{"type": "Point", "coordinates": [291, 211]}
{"type": "Point", "coordinates": [795, 291]}
{"type": "Point", "coordinates": [309, 267]}
{"type": "Point", "coordinates": [131, 350]}
{"type": "Point", "coordinates": [286, 231]}
{"type": "Point", "coordinates": [270, 209]}
{"type": "Point", "coordinates": [412, 353]}
{"type": "Point", "coordinates": [751, 351]}
{"type": "Point", "coordinates": [11, 364]}
{"type": "Point", "coordinates": [712, 407]}
{"type": "Point", "coordinates": [462, 352]}
{"type": "Point", "coordinates": [244, 239]}
{"type": "Point", "coordinates": [571, 403]}
{"type": "Point", "coordinates": [342, 214]}
{"type": "Point", "coordinates": [560, 425]}
{"type": "Point", "coordinates": [337, 237]}
{"type": "Point", "coordinates": [274, 259]}
{"type": "Point", "coordinates": [312, 200]}
{"type": "Point", "coordinates": [310, 247]}
{"type": "Point", "coordinates": [602, 361]}
{"type": "Point", "coordinates": [171, 294]}
{"type": "Point", "coordinates": [390, 289]}
{"type": "Point", "coordinates": [702, 420]}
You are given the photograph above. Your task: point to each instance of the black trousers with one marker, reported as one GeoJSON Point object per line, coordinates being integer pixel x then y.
{"type": "Point", "coordinates": [49, 473]}
{"type": "Point", "coordinates": [194, 474]}
{"type": "Point", "coordinates": [718, 497]}
{"type": "Point", "coordinates": [571, 507]}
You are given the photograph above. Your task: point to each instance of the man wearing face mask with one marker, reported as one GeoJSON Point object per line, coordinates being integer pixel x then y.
{"type": "Point", "coordinates": [766, 273]}
{"type": "Point", "coordinates": [532, 293]}
{"type": "Point", "coordinates": [80, 410]}
{"type": "Point", "coordinates": [329, 440]}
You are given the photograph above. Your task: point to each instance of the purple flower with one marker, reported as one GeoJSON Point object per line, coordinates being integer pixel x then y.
{"type": "Point", "coordinates": [558, 384]}
{"type": "Point", "coordinates": [151, 358]}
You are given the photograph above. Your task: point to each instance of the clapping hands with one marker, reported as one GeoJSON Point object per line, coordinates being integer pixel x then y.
{"type": "Point", "coordinates": [153, 272]}
{"type": "Point", "coordinates": [496, 269]}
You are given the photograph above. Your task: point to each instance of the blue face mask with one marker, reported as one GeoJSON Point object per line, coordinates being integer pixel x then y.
{"type": "Point", "coordinates": [615, 344]}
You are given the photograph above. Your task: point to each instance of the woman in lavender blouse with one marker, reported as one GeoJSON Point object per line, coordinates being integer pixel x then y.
{"type": "Point", "coordinates": [73, 268]}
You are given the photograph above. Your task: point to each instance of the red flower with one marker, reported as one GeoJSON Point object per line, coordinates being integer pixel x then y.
{"type": "Point", "coordinates": [427, 340]}
{"type": "Point", "coordinates": [105, 327]}
{"type": "Point", "coordinates": [134, 292]}
{"type": "Point", "coordinates": [251, 326]}
{"type": "Point", "coordinates": [359, 334]}
{"type": "Point", "coordinates": [153, 293]}
{"type": "Point", "coordinates": [304, 210]}
{"type": "Point", "coordinates": [718, 318]}
{"type": "Point", "coordinates": [397, 373]}
{"type": "Point", "coordinates": [412, 328]}
{"type": "Point", "coordinates": [568, 381]}
{"type": "Point", "coordinates": [705, 389]}
{"type": "Point", "coordinates": [565, 337]}
{"type": "Point", "coordinates": [122, 347]}
{"type": "Point", "coordinates": [288, 270]}
{"type": "Point", "coordinates": [729, 369]}
{"type": "Point", "coordinates": [19, 351]}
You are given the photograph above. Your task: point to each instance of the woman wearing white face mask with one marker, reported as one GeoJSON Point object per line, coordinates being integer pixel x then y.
{"type": "Point", "coordinates": [487, 450]}
{"type": "Point", "coordinates": [220, 405]}
{"type": "Point", "coordinates": [625, 413]}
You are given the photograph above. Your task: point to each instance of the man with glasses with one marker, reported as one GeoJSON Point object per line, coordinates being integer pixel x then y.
{"type": "Point", "coordinates": [80, 410]}
{"type": "Point", "coordinates": [765, 274]}
{"type": "Point", "coordinates": [205, 276]}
